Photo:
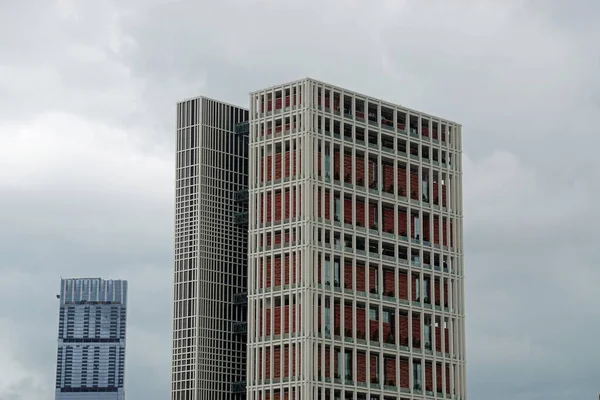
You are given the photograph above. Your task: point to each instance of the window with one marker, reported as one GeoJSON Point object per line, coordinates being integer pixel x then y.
{"type": "Point", "coordinates": [428, 335]}
{"type": "Point", "coordinates": [327, 315]}
{"type": "Point", "coordinates": [373, 314]}
{"type": "Point", "coordinates": [417, 226]}
{"type": "Point", "coordinates": [348, 365]}
{"type": "Point", "coordinates": [336, 273]}
{"type": "Point", "coordinates": [376, 281]}
{"type": "Point", "coordinates": [388, 316]}
{"type": "Point", "coordinates": [417, 289]}
{"type": "Point", "coordinates": [417, 371]}
{"type": "Point", "coordinates": [327, 166]}
{"type": "Point", "coordinates": [375, 176]}
{"type": "Point", "coordinates": [426, 290]}
{"type": "Point", "coordinates": [425, 189]}
{"type": "Point", "coordinates": [375, 376]}
{"type": "Point", "coordinates": [337, 209]}
{"type": "Point", "coordinates": [327, 273]}
{"type": "Point", "coordinates": [337, 242]}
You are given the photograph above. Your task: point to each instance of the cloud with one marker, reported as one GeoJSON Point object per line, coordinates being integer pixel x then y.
{"type": "Point", "coordinates": [87, 93]}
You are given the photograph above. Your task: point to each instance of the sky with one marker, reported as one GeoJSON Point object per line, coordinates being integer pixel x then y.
{"type": "Point", "coordinates": [87, 128]}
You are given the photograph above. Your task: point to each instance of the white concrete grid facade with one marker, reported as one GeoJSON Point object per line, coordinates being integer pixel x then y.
{"type": "Point", "coordinates": [324, 214]}
{"type": "Point", "coordinates": [209, 358]}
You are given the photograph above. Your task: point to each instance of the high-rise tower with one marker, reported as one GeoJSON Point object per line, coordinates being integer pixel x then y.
{"type": "Point", "coordinates": [91, 339]}
{"type": "Point", "coordinates": [209, 312]}
{"type": "Point", "coordinates": [348, 244]}
{"type": "Point", "coordinates": [355, 286]}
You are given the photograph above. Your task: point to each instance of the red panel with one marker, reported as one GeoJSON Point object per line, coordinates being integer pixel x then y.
{"type": "Point", "coordinates": [388, 220]}
{"type": "Point", "coordinates": [388, 178]}
{"type": "Point", "coordinates": [388, 282]}
{"type": "Point", "coordinates": [404, 332]}
{"type": "Point", "coordinates": [347, 211]}
{"type": "Point", "coordinates": [337, 320]}
{"type": "Point", "coordinates": [402, 223]}
{"type": "Point", "coordinates": [372, 278]}
{"type": "Point", "coordinates": [426, 228]}
{"type": "Point", "coordinates": [348, 275]}
{"type": "Point", "coordinates": [360, 213]}
{"type": "Point", "coordinates": [403, 285]}
{"type": "Point", "coordinates": [414, 185]}
{"type": "Point", "coordinates": [373, 367]}
{"type": "Point", "coordinates": [439, 377]}
{"type": "Point", "coordinates": [361, 322]}
{"type": "Point", "coordinates": [390, 371]}
{"type": "Point", "coordinates": [373, 215]}
{"type": "Point", "coordinates": [360, 278]}
{"type": "Point", "coordinates": [444, 196]}
{"type": "Point", "coordinates": [348, 320]}
{"type": "Point", "coordinates": [428, 376]}
{"type": "Point", "coordinates": [402, 182]}
{"type": "Point", "coordinates": [416, 332]}
{"type": "Point", "coordinates": [404, 371]}
{"type": "Point", "coordinates": [361, 367]}
{"type": "Point", "coordinates": [336, 166]}
{"type": "Point", "coordinates": [268, 363]}
{"type": "Point", "coordinates": [446, 294]}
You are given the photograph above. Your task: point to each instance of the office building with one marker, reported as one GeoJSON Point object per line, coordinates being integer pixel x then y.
{"type": "Point", "coordinates": [355, 248]}
{"type": "Point", "coordinates": [91, 339]}
{"type": "Point", "coordinates": [355, 254]}
{"type": "Point", "coordinates": [210, 280]}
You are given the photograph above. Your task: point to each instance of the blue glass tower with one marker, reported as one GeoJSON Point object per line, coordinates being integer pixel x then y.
{"type": "Point", "coordinates": [91, 339]}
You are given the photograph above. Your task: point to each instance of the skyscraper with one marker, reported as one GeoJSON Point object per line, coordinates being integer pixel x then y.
{"type": "Point", "coordinates": [91, 339]}
{"type": "Point", "coordinates": [355, 254]}
{"type": "Point", "coordinates": [209, 324]}
{"type": "Point", "coordinates": [355, 248]}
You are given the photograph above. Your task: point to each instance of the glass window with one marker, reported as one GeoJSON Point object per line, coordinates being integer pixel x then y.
{"type": "Point", "coordinates": [327, 315]}
{"type": "Point", "coordinates": [428, 335]}
{"type": "Point", "coordinates": [336, 273]}
{"type": "Point", "coordinates": [417, 226]}
{"type": "Point", "coordinates": [417, 371]}
{"type": "Point", "coordinates": [417, 289]}
{"type": "Point", "coordinates": [327, 167]}
{"type": "Point", "coordinates": [373, 314]}
{"type": "Point", "coordinates": [327, 272]}
{"type": "Point", "coordinates": [337, 209]}
{"type": "Point", "coordinates": [348, 365]}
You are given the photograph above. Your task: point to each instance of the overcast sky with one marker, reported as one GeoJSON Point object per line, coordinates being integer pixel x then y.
{"type": "Point", "coordinates": [87, 106]}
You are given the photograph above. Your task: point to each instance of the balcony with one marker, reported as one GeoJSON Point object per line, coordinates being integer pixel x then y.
{"type": "Point", "coordinates": [240, 327]}
{"type": "Point", "coordinates": [240, 218]}
{"type": "Point", "coordinates": [240, 298]}
{"type": "Point", "coordinates": [238, 387]}
{"type": "Point", "coordinates": [241, 196]}
{"type": "Point", "coordinates": [243, 128]}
